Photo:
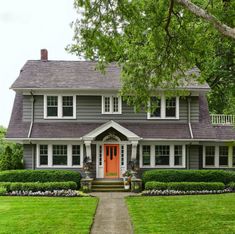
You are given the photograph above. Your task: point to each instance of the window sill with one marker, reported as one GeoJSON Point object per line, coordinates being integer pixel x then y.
{"type": "Point", "coordinates": [166, 118]}
{"type": "Point", "coordinates": [114, 113]}
{"type": "Point", "coordinates": [56, 118]}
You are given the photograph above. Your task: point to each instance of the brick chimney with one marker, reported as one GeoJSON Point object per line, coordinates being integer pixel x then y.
{"type": "Point", "coordinates": [44, 55]}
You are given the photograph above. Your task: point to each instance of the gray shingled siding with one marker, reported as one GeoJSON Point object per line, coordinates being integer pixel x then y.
{"type": "Point", "coordinates": [194, 158]}
{"type": "Point", "coordinates": [89, 109]}
{"type": "Point", "coordinates": [28, 156]}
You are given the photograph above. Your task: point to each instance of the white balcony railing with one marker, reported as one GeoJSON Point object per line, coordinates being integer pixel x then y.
{"type": "Point", "coordinates": [222, 119]}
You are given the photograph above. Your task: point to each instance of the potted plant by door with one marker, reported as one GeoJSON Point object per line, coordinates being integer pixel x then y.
{"type": "Point", "coordinates": [127, 179]}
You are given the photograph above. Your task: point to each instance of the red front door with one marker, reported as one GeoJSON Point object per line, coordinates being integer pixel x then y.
{"type": "Point", "coordinates": [111, 161]}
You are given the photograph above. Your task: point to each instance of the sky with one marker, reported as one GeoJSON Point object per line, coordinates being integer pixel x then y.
{"type": "Point", "coordinates": [26, 27]}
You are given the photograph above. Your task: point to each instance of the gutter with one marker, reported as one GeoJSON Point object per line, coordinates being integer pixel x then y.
{"type": "Point", "coordinates": [32, 115]}
{"type": "Point", "coordinates": [189, 117]}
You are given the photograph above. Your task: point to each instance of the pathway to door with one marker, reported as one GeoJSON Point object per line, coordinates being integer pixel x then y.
{"type": "Point", "coordinates": [112, 215]}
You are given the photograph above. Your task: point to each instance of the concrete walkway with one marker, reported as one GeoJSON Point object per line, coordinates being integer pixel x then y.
{"type": "Point", "coordinates": [112, 215]}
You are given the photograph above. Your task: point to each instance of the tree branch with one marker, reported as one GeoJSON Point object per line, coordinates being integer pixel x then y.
{"type": "Point", "coordinates": [169, 17]}
{"type": "Point", "coordinates": [222, 28]}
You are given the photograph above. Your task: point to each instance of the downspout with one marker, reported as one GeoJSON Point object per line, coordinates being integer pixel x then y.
{"type": "Point", "coordinates": [30, 129]}
{"type": "Point", "coordinates": [32, 114]}
{"type": "Point", "coordinates": [190, 130]}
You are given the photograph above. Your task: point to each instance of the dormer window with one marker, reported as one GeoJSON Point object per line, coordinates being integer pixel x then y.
{"type": "Point", "coordinates": [59, 106]}
{"type": "Point", "coordinates": [111, 105]}
{"type": "Point", "coordinates": [164, 108]}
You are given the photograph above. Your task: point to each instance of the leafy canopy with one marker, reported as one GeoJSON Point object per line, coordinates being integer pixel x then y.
{"type": "Point", "coordinates": [154, 41]}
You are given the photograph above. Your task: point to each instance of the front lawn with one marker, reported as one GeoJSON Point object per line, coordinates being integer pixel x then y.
{"type": "Point", "coordinates": [46, 214]}
{"type": "Point", "coordinates": [183, 214]}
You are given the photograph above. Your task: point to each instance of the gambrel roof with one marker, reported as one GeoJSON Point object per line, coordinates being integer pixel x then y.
{"type": "Point", "coordinates": [78, 75]}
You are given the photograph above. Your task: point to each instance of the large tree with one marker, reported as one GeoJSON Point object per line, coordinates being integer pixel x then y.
{"type": "Point", "coordinates": [156, 41]}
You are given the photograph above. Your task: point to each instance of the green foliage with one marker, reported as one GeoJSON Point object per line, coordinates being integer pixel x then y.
{"type": "Point", "coordinates": [189, 176]}
{"type": "Point", "coordinates": [3, 191]}
{"type": "Point", "coordinates": [40, 176]}
{"type": "Point", "coordinates": [11, 154]}
{"type": "Point", "coordinates": [38, 186]}
{"type": "Point", "coordinates": [154, 48]}
{"type": "Point", "coordinates": [155, 185]}
{"type": "Point", "coordinates": [184, 186]}
{"type": "Point", "coordinates": [231, 185]}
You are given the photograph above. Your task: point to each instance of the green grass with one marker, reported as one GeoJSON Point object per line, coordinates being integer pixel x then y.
{"type": "Point", "coordinates": [46, 215]}
{"type": "Point", "coordinates": [183, 214]}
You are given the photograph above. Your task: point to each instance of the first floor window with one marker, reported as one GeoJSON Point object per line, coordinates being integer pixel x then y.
{"type": "Point", "coordinates": [43, 154]}
{"type": "Point", "coordinates": [76, 157]}
{"type": "Point", "coordinates": [122, 155]}
{"type": "Point", "coordinates": [210, 156]}
{"type": "Point", "coordinates": [162, 155]}
{"type": "Point", "coordinates": [233, 156]}
{"type": "Point", "coordinates": [223, 155]}
{"type": "Point", "coordinates": [178, 155]}
{"type": "Point", "coordinates": [146, 155]}
{"type": "Point", "coordinates": [59, 154]}
{"type": "Point", "coordinates": [52, 106]}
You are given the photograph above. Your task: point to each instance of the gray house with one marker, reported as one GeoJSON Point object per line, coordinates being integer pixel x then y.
{"type": "Point", "coordinates": [66, 110]}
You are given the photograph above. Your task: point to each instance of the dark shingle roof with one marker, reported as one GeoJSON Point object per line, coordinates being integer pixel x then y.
{"type": "Point", "coordinates": [37, 74]}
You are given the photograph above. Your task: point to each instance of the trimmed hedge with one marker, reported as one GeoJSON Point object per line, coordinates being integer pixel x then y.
{"type": "Point", "coordinates": [40, 176]}
{"type": "Point", "coordinates": [231, 185]}
{"type": "Point", "coordinates": [38, 186]}
{"type": "Point", "coordinates": [189, 176]}
{"type": "Point", "coordinates": [185, 186]}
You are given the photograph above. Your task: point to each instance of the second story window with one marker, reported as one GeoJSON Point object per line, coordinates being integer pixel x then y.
{"type": "Point", "coordinates": [59, 106]}
{"type": "Point", "coordinates": [164, 108]}
{"type": "Point", "coordinates": [111, 105]}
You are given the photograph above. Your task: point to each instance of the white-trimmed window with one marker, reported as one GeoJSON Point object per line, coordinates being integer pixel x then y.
{"type": "Point", "coordinates": [154, 155]}
{"type": "Point", "coordinates": [122, 155]}
{"type": "Point", "coordinates": [163, 108]}
{"type": "Point", "coordinates": [209, 155]}
{"type": "Point", "coordinates": [111, 105]}
{"type": "Point", "coordinates": [43, 155]}
{"type": "Point", "coordinates": [59, 155]}
{"type": "Point", "coordinates": [223, 156]}
{"type": "Point", "coordinates": [162, 155]}
{"type": "Point", "coordinates": [218, 156]}
{"type": "Point", "coordinates": [76, 155]}
{"type": "Point", "coordinates": [60, 106]}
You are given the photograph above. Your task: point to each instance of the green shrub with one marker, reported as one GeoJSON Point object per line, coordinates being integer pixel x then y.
{"type": "Point", "coordinates": [3, 191]}
{"type": "Point", "coordinates": [189, 176]}
{"type": "Point", "coordinates": [40, 176]}
{"type": "Point", "coordinates": [195, 186]}
{"type": "Point", "coordinates": [155, 185]}
{"type": "Point", "coordinates": [37, 186]}
{"type": "Point", "coordinates": [184, 186]}
{"type": "Point", "coordinates": [231, 185]}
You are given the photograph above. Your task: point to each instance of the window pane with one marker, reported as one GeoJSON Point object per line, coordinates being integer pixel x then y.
{"type": "Point", "coordinates": [155, 107]}
{"type": "Point", "coordinates": [210, 156]}
{"type": "Point", "coordinates": [107, 104]}
{"type": "Point", "coordinates": [67, 106]}
{"type": "Point", "coordinates": [146, 155]}
{"type": "Point", "coordinates": [115, 104]}
{"type": "Point", "coordinates": [223, 156]}
{"type": "Point", "coordinates": [52, 106]}
{"type": "Point", "coordinates": [43, 152]}
{"type": "Point", "coordinates": [178, 155]}
{"type": "Point", "coordinates": [100, 156]}
{"type": "Point", "coordinates": [162, 155]}
{"type": "Point", "coordinates": [59, 154]}
{"type": "Point", "coordinates": [76, 159]}
{"type": "Point", "coordinates": [171, 107]}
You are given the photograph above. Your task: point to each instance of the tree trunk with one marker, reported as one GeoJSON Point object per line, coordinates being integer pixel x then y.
{"type": "Point", "coordinates": [222, 28]}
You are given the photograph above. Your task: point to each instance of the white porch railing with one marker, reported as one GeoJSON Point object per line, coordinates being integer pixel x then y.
{"type": "Point", "coordinates": [222, 119]}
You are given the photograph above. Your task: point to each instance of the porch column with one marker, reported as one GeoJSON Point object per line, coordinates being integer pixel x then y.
{"type": "Point", "coordinates": [88, 149]}
{"type": "Point", "coordinates": [134, 150]}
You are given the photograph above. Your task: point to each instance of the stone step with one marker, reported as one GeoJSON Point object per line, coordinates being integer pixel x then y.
{"type": "Point", "coordinates": [107, 186]}
{"type": "Point", "coordinates": [107, 182]}
{"type": "Point", "coordinates": [109, 190]}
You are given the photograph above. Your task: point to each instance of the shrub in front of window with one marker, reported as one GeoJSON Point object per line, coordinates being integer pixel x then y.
{"type": "Point", "coordinates": [40, 176]}
{"type": "Point", "coordinates": [189, 176]}
{"type": "Point", "coordinates": [185, 186]}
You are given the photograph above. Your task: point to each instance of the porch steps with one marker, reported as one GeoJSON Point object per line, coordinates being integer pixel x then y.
{"type": "Point", "coordinates": [108, 186]}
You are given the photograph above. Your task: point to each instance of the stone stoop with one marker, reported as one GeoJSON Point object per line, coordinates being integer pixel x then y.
{"type": "Point", "coordinates": [108, 186]}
